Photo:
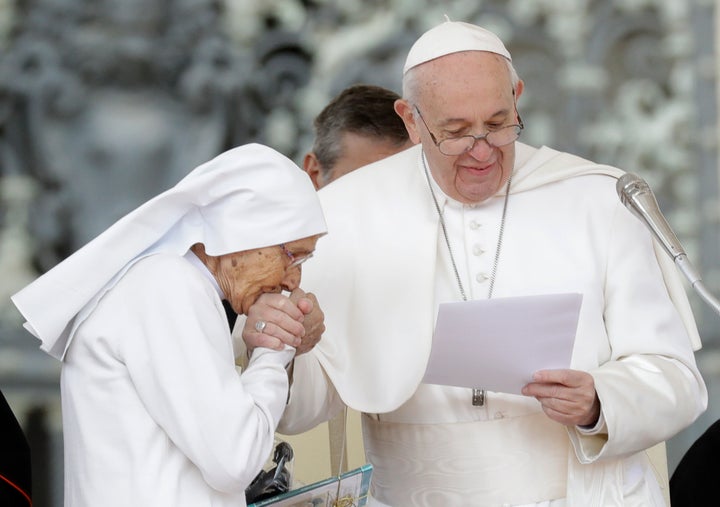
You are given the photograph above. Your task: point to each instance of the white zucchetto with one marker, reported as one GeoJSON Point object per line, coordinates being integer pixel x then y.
{"type": "Point", "coordinates": [453, 37]}
{"type": "Point", "coordinates": [246, 198]}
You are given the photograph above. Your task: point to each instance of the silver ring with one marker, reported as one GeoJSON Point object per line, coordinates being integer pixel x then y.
{"type": "Point", "coordinates": [260, 325]}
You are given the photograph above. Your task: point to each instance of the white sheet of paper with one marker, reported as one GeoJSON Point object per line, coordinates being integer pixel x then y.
{"type": "Point", "coordinates": [497, 344]}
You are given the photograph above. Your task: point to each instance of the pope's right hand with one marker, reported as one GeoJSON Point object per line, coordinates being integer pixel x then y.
{"type": "Point", "coordinates": [314, 321]}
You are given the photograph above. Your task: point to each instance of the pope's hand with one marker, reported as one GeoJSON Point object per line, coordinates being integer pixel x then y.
{"type": "Point", "coordinates": [566, 396]}
{"type": "Point", "coordinates": [314, 321]}
{"type": "Point", "coordinates": [282, 318]}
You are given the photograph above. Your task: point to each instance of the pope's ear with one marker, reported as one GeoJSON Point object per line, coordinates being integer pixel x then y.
{"type": "Point", "coordinates": [405, 111]}
{"type": "Point", "coordinates": [312, 166]}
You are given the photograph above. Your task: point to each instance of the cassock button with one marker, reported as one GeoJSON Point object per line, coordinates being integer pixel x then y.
{"type": "Point", "coordinates": [481, 277]}
{"type": "Point", "coordinates": [474, 225]}
{"type": "Point", "coordinates": [477, 250]}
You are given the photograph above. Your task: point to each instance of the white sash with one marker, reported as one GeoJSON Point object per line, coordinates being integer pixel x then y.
{"type": "Point", "coordinates": [512, 461]}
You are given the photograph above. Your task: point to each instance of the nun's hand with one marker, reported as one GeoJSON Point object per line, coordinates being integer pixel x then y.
{"type": "Point", "coordinates": [314, 321]}
{"type": "Point", "coordinates": [274, 321]}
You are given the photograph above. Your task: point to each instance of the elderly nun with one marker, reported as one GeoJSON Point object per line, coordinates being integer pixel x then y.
{"type": "Point", "coordinates": [154, 410]}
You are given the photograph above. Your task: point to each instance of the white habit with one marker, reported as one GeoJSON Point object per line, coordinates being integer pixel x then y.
{"type": "Point", "coordinates": [152, 417]}
{"type": "Point", "coordinates": [154, 411]}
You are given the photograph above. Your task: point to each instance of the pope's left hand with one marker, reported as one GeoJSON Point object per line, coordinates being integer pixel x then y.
{"type": "Point", "coordinates": [566, 396]}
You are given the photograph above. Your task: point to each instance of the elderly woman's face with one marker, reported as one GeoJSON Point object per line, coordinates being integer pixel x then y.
{"type": "Point", "coordinates": [244, 276]}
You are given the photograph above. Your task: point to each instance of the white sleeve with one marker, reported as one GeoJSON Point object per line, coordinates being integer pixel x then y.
{"type": "Point", "coordinates": [178, 352]}
{"type": "Point", "coordinates": [313, 399]}
{"type": "Point", "coordinates": [650, 389]}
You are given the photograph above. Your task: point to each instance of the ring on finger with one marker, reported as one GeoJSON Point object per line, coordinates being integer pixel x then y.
{"type": "Point", "coordinates": [260, 326]}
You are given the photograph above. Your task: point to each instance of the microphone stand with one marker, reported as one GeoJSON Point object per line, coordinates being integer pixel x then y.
{"type": "Point", "coordinates": [687, 269]}
{"type": "Point", "coordinates": [637, 196]}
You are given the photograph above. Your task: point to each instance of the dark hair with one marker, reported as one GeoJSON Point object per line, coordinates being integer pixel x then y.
{"type": "Point", "coordinates": [361, 109]}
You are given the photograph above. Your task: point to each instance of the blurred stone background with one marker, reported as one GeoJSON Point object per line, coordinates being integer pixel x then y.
{"type": "Point", "coordinates": [105, 103]}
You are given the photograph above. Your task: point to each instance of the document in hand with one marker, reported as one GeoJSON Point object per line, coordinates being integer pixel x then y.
{"type": "Point", "coordinates": [497, 344]}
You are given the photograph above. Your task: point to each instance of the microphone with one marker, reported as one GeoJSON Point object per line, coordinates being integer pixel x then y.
{"type": "Point", "coordinates": [636, 195]}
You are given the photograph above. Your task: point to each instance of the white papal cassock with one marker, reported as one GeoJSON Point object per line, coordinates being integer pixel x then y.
{"type": "Point", "coordinates": [384, 269]}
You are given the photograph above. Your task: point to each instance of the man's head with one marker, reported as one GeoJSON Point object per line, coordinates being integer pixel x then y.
{"type": "Point", "coordinates": [357, 127]}
{"type": "Point", "coordinates": [459, 81]}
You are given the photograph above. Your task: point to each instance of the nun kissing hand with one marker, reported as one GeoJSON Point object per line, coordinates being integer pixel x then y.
{"type": "Point", "coordinates": [276, 320]}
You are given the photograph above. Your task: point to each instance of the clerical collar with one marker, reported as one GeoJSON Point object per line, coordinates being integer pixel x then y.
{"type": "Point", "coordinates": [195, 261]}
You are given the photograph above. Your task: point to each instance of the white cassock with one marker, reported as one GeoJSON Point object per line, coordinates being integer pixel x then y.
{"type": "Point", "coordinates": [384, 269]}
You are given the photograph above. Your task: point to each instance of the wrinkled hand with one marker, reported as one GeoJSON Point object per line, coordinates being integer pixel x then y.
{"type": "Point", "coordinates": [314, 321]}
{"type": "Point", "coordinates": [566, 396]}
{"type": "Point", "coordinates": [283, 318]}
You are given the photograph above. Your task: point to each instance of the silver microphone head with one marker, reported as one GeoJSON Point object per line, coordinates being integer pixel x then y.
{"type": "Point", "coordinates": [630, 184]}
{"type": "Point", "coordinates": [636, 195]}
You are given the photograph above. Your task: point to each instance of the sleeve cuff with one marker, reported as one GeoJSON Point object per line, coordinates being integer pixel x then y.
{"type": "Point", "coordinates": [262, 355]}
{"type": "Point", "coordinates": [599, 428]}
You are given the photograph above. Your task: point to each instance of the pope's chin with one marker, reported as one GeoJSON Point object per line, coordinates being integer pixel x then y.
{"type": "Point", "coordinates": [475, 192]}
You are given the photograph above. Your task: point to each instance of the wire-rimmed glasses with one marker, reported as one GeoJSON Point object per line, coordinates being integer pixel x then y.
{"type": "Point", "coordinates": [453, 146]}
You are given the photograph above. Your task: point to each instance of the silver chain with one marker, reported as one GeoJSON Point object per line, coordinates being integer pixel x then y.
{"type": "Point", "coordinates": [501, 232]}
{"type": "Point", "coordinates": [500, 237]}
{"type": "Point", "coordinates": [444, 230]}
{"type": "Point", "coordinates": [478, 395]}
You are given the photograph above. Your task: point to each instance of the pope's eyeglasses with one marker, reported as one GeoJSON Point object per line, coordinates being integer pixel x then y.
{"type": "Point", "coordinates": [453, 146]}
{"type": "Point", "coordinates": [294, 260]}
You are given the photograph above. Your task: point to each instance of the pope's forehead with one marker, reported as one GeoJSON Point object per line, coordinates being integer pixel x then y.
{"type": "Point", "coordinates": [478, 71]}
{"type": "Point", "coordinates": [471, 61]}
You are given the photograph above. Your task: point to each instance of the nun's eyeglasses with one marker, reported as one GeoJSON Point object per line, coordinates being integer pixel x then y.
{"type": "Point", "coordinates": [295, 260]}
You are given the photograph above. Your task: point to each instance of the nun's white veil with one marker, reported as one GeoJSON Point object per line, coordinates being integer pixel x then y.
{"type": "Point", "coordinates": [248, 197]}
